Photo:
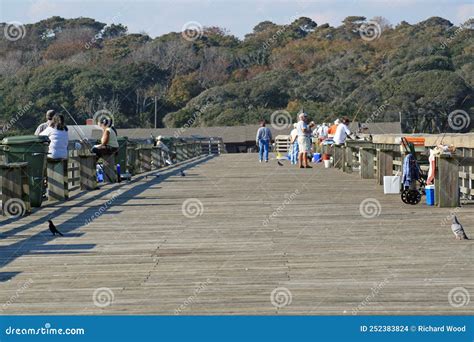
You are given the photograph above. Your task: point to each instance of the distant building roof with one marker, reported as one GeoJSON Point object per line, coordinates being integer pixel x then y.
{"type": "Point", "coordinates": [78, 132]}
{"type": "Point", "coordinates": [239, 134]}
{"type": "Point", "coordinates": [229, 134]}
{"type": "Point", "coordinates": [378, 127]}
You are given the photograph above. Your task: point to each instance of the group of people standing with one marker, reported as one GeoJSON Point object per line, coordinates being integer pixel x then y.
{"type": "Point", "coordinates": [301, 138]}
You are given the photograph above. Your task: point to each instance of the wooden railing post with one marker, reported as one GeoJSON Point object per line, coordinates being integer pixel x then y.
{"type": "Point", "coordinates": [58, 183]}
{"type": "Point", "coordinates": [87, 171]}
{"type": "Point", "coordinates": [384, 164]}
{"type": "Point", "coordinates": [339, 156]}
{"type": "Point", "coordinates": [156, 159]}
{"type": "Point", "coordinates": [15, 189]}
{"type": "Point", "coordinates": [110, 169]}
{"type": "Point", "coordinates": [447, 182]}
{"type": "Point", "coordinates": [144, 159]}
{"type": "Point", "coordinates": [348, 159]}
{"type": "Point", "coordinates": [367, 163]}
{"type": "Point", "coordinates": [179, 152]}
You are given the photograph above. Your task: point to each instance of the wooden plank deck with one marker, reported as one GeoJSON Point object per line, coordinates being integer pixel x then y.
{"type": "Point", "coordinates": [262, 228]}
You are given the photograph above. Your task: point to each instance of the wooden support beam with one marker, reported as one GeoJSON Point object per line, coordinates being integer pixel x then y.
{"type": "Point", "coordinates": [58, 183]}
{"type": "Point", "coordinates": [384, 164]}
{"type": "Point", "coordinates": [447, 182]}
{"type": "Point", "coordinates": [367, 156]}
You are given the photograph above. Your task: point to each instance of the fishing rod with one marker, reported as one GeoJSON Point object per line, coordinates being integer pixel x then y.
{"type": "Point", "coordinates": [83, 137]}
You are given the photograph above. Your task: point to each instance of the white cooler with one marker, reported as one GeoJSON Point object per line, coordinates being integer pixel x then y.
{"type": "Point", "coordinates": [391, 184]}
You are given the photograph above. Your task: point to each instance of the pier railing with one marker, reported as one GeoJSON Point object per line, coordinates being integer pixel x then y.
{"type": "Point", "coordinates": [78, 171]}
{"type": "Point", "coordinates": [454, 175]}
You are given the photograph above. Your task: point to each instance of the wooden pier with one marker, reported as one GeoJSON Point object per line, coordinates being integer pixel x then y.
{"type": "Point", "coordinates": [234, 236]}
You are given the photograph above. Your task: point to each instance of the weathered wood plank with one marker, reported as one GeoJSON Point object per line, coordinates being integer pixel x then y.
{"type": "Point", "coordinates": [261, 226]}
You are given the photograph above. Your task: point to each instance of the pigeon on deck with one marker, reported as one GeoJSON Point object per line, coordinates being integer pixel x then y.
{"type": "Point", "coordinates": [182, 173]}
{"type": "Point", "coordinates": [458, 229]}
{"type": "Point", "coordinates": [280, 163]}
{"type": "Point", "coordinates": [53, 229]}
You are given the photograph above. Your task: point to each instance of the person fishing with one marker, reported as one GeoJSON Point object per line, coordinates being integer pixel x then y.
{"type": "Point", "coordinates": [108, 143]}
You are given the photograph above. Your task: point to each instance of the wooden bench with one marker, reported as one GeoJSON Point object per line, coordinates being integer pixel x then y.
{"type": "Point", "coordinates": [58, 182]}
{"type": "Point", "coordinates": [15, 189]}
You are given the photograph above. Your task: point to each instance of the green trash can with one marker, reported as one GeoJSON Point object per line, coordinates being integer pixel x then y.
{"type": "Point", "coordinates": [32, 149]}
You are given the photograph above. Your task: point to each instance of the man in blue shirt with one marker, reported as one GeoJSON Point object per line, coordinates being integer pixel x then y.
{"type": "Point", "coordinates": [264, 136]}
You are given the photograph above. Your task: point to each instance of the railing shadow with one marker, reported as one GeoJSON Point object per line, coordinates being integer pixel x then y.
{"type": "Point", "coordinates": [37, 242]}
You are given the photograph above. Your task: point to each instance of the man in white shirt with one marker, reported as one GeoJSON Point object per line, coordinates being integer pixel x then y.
{"type": "Point", "coordinates": [342, 132]}
{"type": "Point", "coordinates": [304, 140]}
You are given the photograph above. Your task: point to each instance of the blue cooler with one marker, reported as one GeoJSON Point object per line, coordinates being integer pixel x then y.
{"type": "Point", "coordinates": [430, 194]}
{"type": "Point", "coordinates": [317, 158]}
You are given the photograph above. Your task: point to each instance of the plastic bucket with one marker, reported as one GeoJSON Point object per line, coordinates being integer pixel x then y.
{"type": "Point", "coordinates": [326, 156]}
{"type": "Point", "coordinates": [327, 163]}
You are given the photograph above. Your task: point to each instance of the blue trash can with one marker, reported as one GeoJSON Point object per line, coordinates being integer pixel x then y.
{"type": "Point", "coordinates": [430, 194]}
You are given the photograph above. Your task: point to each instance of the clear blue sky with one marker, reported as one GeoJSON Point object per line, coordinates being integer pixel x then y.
{"type": "Point", "coordinates": [157, 17]}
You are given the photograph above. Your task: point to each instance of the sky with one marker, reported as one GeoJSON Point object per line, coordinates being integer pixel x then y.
{"type": "Point", "coordinates": [157, 17]}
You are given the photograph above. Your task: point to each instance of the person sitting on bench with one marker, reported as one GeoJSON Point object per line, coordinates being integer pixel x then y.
{"type": "Point", "coordinates": [58, 135]}
{"type": "Point", "coordinates": [108, 143]}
